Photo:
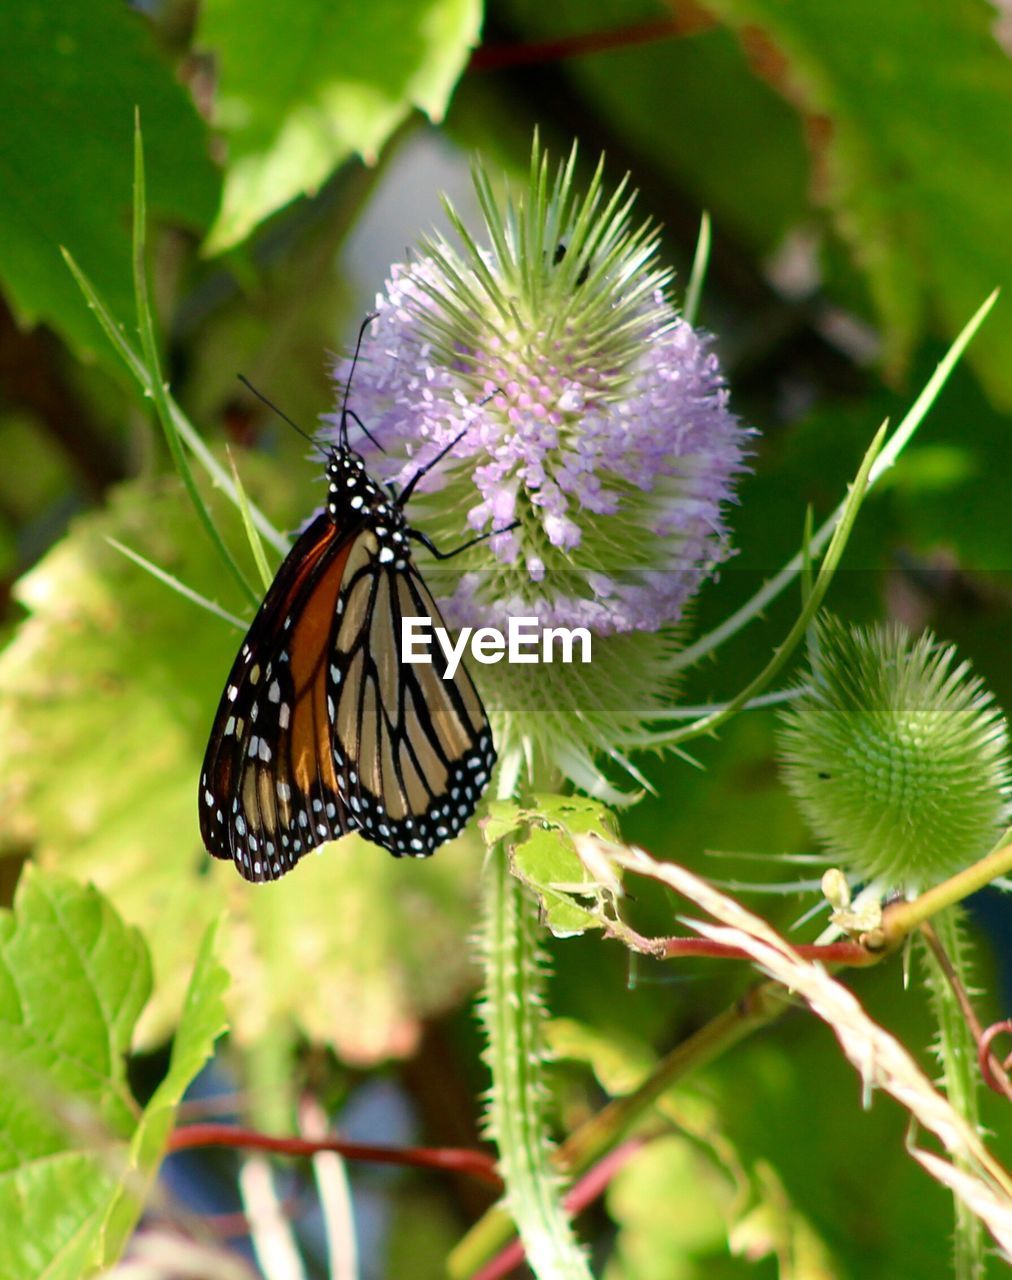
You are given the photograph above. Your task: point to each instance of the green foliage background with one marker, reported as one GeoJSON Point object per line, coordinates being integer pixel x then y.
{"type": "Point", "coordinates": [854, 159]}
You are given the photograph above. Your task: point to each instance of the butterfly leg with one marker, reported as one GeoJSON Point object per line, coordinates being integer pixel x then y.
{"type": "Point", "coordinates": [430, 546]}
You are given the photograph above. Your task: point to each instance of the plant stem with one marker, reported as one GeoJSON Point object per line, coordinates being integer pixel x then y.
{"type": "Point", "coordinates": [513, 1014]}
{"type": "Point", "coordinates": [587, 1144]}
{"type": "Point", "coordinates": [451, 1159]}
{"type": "Point", "coordinates": [947, 960]}
{"type": "Point", "coordinates": [901, 918]}
{"type": "Point", "coordinates": [149, 346]}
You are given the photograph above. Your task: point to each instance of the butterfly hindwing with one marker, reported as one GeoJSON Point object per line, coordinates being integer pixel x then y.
{"type": "Point", "coordinates": [413, 747]}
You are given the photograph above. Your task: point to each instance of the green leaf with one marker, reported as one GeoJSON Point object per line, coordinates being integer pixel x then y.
{"type": "Point", "coordinates": [680, 1204]}
{"type": "Point", "coordinates": [504, 817]}
{"type": "Point", "coordinates": [773, 1227]}
{"type": "Point", "coordinates": [539, 843]}
{"type": "Point", "coordinates": [72, 77]}
{"type": "Point", "coordinates": [896, 138]}
{"type": "Point", "coordinates": [619, 1060]}
{"type": "Point", "coordinates": [74, 1159]}
{"type": "Point", "coordinates": [671, 1205]}
{"type": "Point", "coordinates": [117, 677]}
{"type": "Point", "coordinates": [302, 88]}
{"type": "Point", "coordinates": [201, 1022]}
{"type": "Point", "coordinates": [578, 815]}
{"type": "Point", "coordinates": [547, 862]}
{"type": "Point", "coordinates": [354, 947]}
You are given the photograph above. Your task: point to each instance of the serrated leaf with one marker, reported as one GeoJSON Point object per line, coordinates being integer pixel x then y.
{"type": "Point", "coordinates": [74, 1155]}
{"type": "Point", "coordinates": [72, 77]}
{"type": "Point", "coordinates": [116, 677]}
{"type": "Point", "coordinates": [201, 1022]}
{"type": "Point", "coordinates": [302, 88]}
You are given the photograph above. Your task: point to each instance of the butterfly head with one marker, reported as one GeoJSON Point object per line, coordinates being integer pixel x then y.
{"type": "Point", "coordinates": [355, 498]}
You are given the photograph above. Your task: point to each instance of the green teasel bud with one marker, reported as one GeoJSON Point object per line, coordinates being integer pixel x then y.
{"type": "Point", "coordinates": [897, 755]}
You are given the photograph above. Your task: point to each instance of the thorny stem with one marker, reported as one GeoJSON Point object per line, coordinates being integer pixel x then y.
{"type": "Point", "coordinates": [757, 1008]}
{"type": "Point", "coordinates": [576, 1199]}
{"type": "Point", "coordinates": [512, 1012]}
{"type": "Point", "coordinates": [990, 1067]}
{"type": "Point", "coordinates": [956, 1045]}
{"type": "Point", "coordinates": [588, 1144]}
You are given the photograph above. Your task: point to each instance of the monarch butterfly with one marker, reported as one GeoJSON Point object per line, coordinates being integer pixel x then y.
{"type": "Point", "coordinates": [321, 728]}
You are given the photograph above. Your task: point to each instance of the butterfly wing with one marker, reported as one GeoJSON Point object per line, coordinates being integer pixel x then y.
{"type": "Point", "coordinates": [412, 748]}
{"type": "Point", "coordinates": [269, 789]}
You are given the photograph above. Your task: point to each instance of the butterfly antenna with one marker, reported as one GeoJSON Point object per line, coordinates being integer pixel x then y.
{"type": "Point", "coordinates": [347, 386]}
{"type": "Point", "coordinates": [283, 416]}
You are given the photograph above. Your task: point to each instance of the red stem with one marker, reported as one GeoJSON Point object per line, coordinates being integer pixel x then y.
{"type": "Point", "coordinates": [502, 56]}
{"type": "Point", "coordinates": [992, 1068]}
{"type": "Point", "coordinates": [451, 1159]}
{"type": "Point", "coordinates": [849, 953]}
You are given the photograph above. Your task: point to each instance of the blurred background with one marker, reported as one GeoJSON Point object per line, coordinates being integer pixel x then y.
{"type": "Point", "coordinates": [854, 160]}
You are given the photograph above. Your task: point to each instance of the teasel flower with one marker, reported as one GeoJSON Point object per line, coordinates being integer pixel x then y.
{"type": "Point", "coordinates": [897, 754]}
{"type": "Point", "coordinates": [593, 416]}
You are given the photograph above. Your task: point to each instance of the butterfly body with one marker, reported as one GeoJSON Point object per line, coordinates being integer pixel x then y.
{"type": "Point", "coordinates": [322, 728]}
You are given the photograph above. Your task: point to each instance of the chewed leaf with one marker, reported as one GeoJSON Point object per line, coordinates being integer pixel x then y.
{"type": "Point", "coordinates": [547, 862]}
{"type": "Point", "coordinates": [539, 840]}
{"type": "Point", "coordinates": [504, 819]}
{"type": "Point", "coordinates": [579, 815]}
{"type": "Point", "coordinates": [76, 1154]}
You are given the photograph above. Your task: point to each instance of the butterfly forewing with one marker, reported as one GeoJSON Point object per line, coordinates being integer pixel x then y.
{"type": "Point", "coordinates": [269, 790]}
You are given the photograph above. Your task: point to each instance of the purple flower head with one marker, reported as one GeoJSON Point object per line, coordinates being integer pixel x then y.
{"type": "Point", "coordinates": [580, 409]}
{"type": "Point", "coordinates": [550, 441]}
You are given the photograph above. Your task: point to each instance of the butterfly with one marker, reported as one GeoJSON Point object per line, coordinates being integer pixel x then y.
{"type": "Point", "coordinates": [322, 729]}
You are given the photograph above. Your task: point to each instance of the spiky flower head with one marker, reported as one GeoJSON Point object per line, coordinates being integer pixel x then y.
{"type": "Point", "coordinates": [897, 754]}
{"type": "Point", "coordinates": [592, 416]}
